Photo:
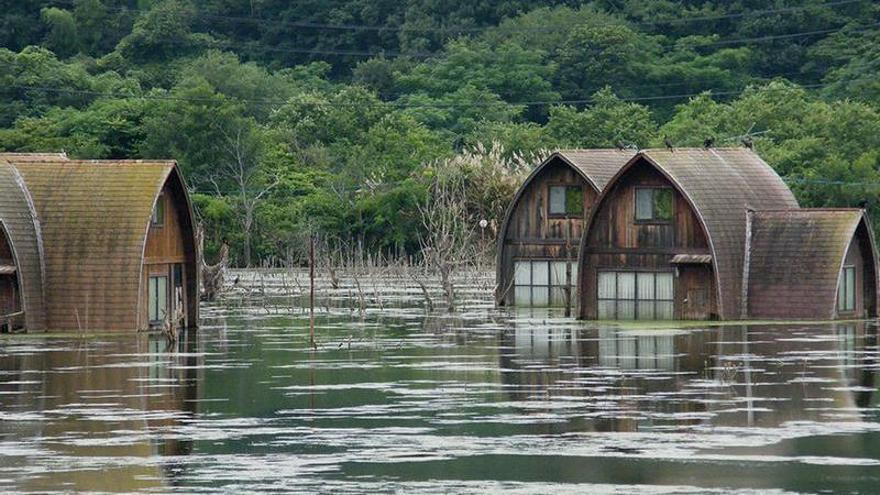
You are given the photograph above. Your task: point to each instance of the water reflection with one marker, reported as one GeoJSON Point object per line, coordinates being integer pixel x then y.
{"type": "Point", "coordinates": [89, 416]}
{"type": "Point", "coordinates": [764, 375]}
{"type": "Point", "coordinates": [397, 400]}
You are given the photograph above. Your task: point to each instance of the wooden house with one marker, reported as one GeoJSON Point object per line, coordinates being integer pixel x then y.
{"type": "Point", "coordinates": [99, 245]}
{"type": "Point", "coordinates": [694, 234]}
{"type": "Point", "coordinates": [539, 238]}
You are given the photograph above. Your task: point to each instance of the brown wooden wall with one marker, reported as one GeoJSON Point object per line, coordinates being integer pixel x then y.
{"type": "Point", "coordinates": [531, 233]}
{"type": "Point", "coordinates": [167, 244]}
{"type": "Point", "coordinates": [858, 255]}
{"type": "Point", "coordinates": [9, 294]}
{"type": "Point", "coordinates": [616, 241]}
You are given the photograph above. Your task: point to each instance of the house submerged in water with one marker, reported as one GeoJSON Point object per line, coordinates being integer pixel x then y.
{"type": "Point", "coordinates": [95, 245]}
{"type": "Point", "coordinates": [700, 234]}
{"type": "Point", "coordinates": [539, 238]}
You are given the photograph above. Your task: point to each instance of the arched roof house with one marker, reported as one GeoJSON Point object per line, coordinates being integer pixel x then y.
{"type": "Point", "coordinates": [539, 236]}
{"type": "Point", "coordinates": [666, 238]}
{"type": "Point", "coordinates": [116, 240]}
{"type": "Point", "coordinates": [814, 264]}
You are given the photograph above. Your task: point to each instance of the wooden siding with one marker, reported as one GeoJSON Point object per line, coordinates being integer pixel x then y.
{"type": "Point", "coordinates": [166, 246]}
{"type": "Point", "coordinates": [616, 241]}
{"type": "Point", "coordinates": [530, 232]}
{"type": "Point", "coordinates": [795, 257]}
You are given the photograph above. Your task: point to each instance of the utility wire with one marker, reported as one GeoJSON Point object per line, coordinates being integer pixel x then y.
{"type": "Point", "coordinates": [500, 27]}
{"type": "Point", "coordinates": [399, 104]}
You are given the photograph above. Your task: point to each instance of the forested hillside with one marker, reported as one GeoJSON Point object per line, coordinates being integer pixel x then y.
{"type": "Point", "coordinates": [333, 117]}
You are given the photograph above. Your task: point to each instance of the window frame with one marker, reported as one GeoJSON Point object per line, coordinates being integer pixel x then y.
{"type": "Point", "coordinates": [847, 287]}
{"type": "Point", "coordinates": [653, 220]}
{"type": "Point", "coordinates": [565, 188]}
{"type": "Point", "coordinates": [157, 217]}
{"type": "Point", "coordinates": [153, 298]}
{"type": "Point", "coordinates": [551, 283]}
{"type": "Point", "coordinates": [636, 300]}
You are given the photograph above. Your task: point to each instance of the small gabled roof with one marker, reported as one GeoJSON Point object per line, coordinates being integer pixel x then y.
{"type": "Point", "coordinates": [597, 166]}
{"type": "Point", "coordinates": [94, 217]}
{"type": "Point", "coordinates": [794, 260]}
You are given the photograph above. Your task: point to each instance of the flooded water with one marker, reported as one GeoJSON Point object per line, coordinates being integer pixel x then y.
{"type": "Point", "coordinates": [484, 400]}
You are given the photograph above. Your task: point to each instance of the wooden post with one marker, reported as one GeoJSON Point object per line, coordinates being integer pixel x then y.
{"type": "Point", "coordinates": [312, 292]}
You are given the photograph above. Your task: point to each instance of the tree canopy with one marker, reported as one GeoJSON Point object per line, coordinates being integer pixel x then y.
{"type": "Point", "coordinates": [299, 118]}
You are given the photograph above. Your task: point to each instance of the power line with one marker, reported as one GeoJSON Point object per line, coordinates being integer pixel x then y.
{"type": "Point", "coordinates": [398, 104]}
{"type": "Point", "coordinates": [477, 29]}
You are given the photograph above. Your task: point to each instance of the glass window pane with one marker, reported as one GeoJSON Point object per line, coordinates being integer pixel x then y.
{"type": "Point", "coordinates": [644, 203]}
{"type": "Point", "coordinates": [645, 310]}
{"type": "Point", "coordinates": [646, 285]}
{"type": "Point", "coordinates": [664, 287]}
{"type": "Point", "coordinates": [151, 300]}
{"type": "Point", "coordinates": [522, 273]}
{"type": "Point", "coordinates": [850, 288]}
{"type": "Point", "coordinates": [574, 200]}
{"type": "Point", "coordinates": [841, 290]}
{"type": "Point", "coordinates": [606, 310]}
{"type": "Point", "coordinates": [557, 273]}
{"type": "Point", "coordinates": [626, 310]}
{"type": "Point", "coordinates": [162, 297]}
{"type": "Point", "coordinates": [663, 204]}
{"type": "Point", "coordinates": [557, 297]}
{"type": "Point", "coordinates": [607, 285]}
{"type": "Point", "coordinates": [540, 296]}
{"type": "Point", "coordinates": [626, 285]}
{"type": "Point", "coordinates": [522, 296]}
{"type": "Point", "coordinates": [540, 273]}
{"type": "Point", "coordinates": [557, 200]}
{"type": "Point", "coordinates": [663, 311]}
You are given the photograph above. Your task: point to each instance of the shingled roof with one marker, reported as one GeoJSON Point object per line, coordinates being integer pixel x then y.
{"type": "Point", "coordinates": [721, 184]}
{"type": "Point", "coordinates": [94, 217]}
{"type": "Point", "coordinates": [19, 221]}
{"type": "Point", "coordinates": [597, 166]}
{"type": "Point", "coordinates": [795, 258]}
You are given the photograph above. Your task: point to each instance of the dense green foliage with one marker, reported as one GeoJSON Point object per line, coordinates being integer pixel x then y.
{"type": "Point", "coordinates": [291, 118]}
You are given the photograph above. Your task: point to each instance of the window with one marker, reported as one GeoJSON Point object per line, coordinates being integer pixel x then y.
{"type": "Point", "coordinates": [158, 218]}
{"type": "Point", "coordinates": [566, 200]}
{"type": "Point", "coordinates": [542, 283]}
{"type": "Point", "coordinates": [158, 299]}
{"type": "Point", "coordinates": [635, 295]}
{"type": "Point", "coordinates": [846, 290]}
{"type": "Point", "coordinates": [653, 204]}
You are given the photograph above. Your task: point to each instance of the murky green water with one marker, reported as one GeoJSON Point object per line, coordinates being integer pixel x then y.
{"type": "Point", "coordinates": [397, 401]}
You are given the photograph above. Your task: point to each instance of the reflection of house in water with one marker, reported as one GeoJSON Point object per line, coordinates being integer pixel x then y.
{"type": "Point", "coordinates": [629, 380]}
{"type": "Point", "coordinates": [115, 400]}
{"type": "Point", "coordinates": [777, 374]}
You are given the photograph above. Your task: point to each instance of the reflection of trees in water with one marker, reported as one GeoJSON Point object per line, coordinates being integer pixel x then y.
{"type": "Point", "coordinates": [116, 398]}
{"type": "Point", "coordinates": [760, 375]}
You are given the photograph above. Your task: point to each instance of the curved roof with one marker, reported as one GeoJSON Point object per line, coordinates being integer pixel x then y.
{"type": "Point", "coordinates": [721, 184]}
{"type": "Point", "coordinates": [94, 217]}
{"type": "Point", "coordinates": [795, 257]}
{"type": "Point", "coordinates": [597, 166]}
{"type": "Point", "coordinates": [19, 220]}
